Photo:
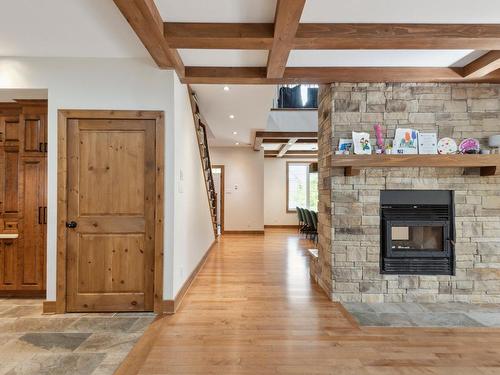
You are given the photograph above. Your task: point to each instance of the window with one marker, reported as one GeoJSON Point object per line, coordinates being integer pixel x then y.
{"type": "Point", "coordinates": [302, 187]}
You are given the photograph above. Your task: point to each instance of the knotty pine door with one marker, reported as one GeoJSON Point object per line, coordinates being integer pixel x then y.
{"type": "Point", "coordinates": [110, 215]}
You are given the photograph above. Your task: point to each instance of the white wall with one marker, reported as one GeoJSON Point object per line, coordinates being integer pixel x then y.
{"type": "Point", "coordinates": [193, 233]}
{"type": "Point", "coordinates": [244, 186]}
{"type": "Point", "coordinates": [275, 192]}
{"type": "Point", "coordinates": [108, 84]}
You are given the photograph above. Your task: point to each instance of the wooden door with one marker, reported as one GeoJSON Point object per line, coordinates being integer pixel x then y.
{"type": "Point", "coordinates": [111, 200]}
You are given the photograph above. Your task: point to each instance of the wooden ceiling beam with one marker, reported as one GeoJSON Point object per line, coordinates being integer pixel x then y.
{"type": "Point", "coordinates": [292, 154]}
{"type": "Point", "coordinates": [257, 143]}
{"type": "Point", "coordinates": [285, 140]}
{"type": "Point", "coordinates": [286, 23]}
{"type": "Point", "coordinates": [284, 149]}
{"type": "Point", "coordinates": [397, 36]}
{"type": "Point", "coordinates": [263, 136]}
{"type": "Point", "coordinates": [482, 66]}
{"type": "Point", "coordinates": [288, 135]}
{"type": "Point", "coordinates": [257, 75]}
{"type": "Point", "coordinates": [255, 36]}
{"type": "Point", "coordinates": [145, 19]}
{"type": "Point", "coordinates": [335, 36]}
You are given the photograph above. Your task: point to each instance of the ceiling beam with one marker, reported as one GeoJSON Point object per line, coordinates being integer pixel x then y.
{"type": "Point", "coordinates": [483, 65]}
{"type": "Point", "coordinates": [397, 36]}
{"type": "Point", "coordinates": [336, 36]}
{"type": "Point", "coordinates": [296, 154]}
{"type": "Point", "coordinates": [285, 140]}
{"type": "Point", "coordinates": [257, 75]}
{"type": "Point", "coordinates": [257, 143]}
{"type": "Point", "coordinates": [253, 36]}
{"type": "Point", "coordinates": [286, 23]}
{"type": "Point", "coordinates": [287, 135]}
{"type": "Point", "coordinates": [283, 137]}
{"type": "Point", "coordinates": [284, 148]}
{"type": "Point", "coordinates": [145, 19]}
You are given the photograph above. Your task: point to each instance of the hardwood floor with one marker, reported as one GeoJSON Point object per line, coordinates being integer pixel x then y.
{"type": "Point", "coordinates": [254, 310]}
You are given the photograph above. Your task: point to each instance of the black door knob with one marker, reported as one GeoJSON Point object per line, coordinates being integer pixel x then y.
{"type": "Point", "coordinates": [71, 224]}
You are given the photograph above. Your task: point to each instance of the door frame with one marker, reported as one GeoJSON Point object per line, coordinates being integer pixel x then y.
{"type": "Point", "coordinates": [62, 202]}
{"type": "Point", "coordinates": [222, 194]}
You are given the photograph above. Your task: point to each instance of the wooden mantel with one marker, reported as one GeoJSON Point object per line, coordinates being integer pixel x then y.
{"type": "Point", "coordinates": [488, 164]}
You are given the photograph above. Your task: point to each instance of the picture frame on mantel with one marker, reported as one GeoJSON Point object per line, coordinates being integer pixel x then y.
{"type": "Point", "coordinates": [427, 143]}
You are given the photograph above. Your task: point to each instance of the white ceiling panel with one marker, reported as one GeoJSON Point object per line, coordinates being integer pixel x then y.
{"type": "Point", "coordinates": [217, 10]}
{"type": "Point", "coordinates": [393, 11]}
{"type": "Point", "coordinates": [249, 104]}
{"type": "Point", "coordinates": [384, 58]}
{"type": "Point", "coordinates": [227, 57]}
{"type": "Point", "coordinates": [66, 28]}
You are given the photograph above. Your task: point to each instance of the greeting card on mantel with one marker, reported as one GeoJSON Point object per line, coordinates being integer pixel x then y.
{"type": "Point", "coordinates": [361, 143]}
{"type": "Point", "coordinates": [427, 143]}
{"type": "Point", "coordinates": [406, 141]}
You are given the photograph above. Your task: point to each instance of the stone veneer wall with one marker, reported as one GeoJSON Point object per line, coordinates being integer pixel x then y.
{"type": "Point", "coordinates": [349, 234]}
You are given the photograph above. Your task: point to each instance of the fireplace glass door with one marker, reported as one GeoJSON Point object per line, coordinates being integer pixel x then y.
{"type": "Point", "coordinates": [417, 238]}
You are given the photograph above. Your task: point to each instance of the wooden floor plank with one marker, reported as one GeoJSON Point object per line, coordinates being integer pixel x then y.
{"type": "Point", "coordinates": [253, 309]}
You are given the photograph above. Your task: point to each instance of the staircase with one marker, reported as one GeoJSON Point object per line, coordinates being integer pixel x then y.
{"type": "Point", "coordinates": [201, 132]}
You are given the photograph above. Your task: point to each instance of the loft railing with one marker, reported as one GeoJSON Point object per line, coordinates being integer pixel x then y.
{"type": "Point", "coordinates": [300, 96]}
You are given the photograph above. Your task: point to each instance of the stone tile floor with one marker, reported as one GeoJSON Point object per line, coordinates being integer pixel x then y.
{"type": "Point", "coordinates": [77, 344]}
{"type": "Point", "coordinates": [425, 314]}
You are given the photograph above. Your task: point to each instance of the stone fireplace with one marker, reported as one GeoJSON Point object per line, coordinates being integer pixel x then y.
{"type": "Point", "coordinates": [460, 262]}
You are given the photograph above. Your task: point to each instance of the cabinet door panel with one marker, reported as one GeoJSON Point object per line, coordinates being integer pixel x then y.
{"type": "Point", "coordinates": [11, 130]}
{"type": "Point", "coordinates": [33, 136]}
{"type": "Point", "coordinates": [11, 181]}
{"type": "Point", "coordinates": [8, 264]}
{"type": "Point", "coordinates": [32, 240]}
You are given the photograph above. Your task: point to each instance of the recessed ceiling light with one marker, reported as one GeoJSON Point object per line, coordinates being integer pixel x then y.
{"type": "Point", "coordinates": [226, 88]}
{"type": "Point", "coordinates": [234, 133]}
{"type": "Point", "coordinates": [237, 143]}
{"type": "Point", "coordinates": [231, 117]}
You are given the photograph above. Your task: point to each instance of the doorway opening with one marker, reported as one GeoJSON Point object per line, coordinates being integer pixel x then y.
{"type": "Point", "coordinates": [218, 175]}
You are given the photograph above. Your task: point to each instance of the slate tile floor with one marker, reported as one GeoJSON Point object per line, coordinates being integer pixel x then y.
{"type": "Point", "coordinates": [77, 344]}
{"type": "Point", "coordinates": [425, 314]}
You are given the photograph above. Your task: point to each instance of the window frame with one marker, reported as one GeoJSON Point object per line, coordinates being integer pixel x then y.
{"type": "Point", "coordinates": [308, 188]}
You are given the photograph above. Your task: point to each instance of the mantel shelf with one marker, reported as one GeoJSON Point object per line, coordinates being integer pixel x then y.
{"type": "Point", "coordinates": [489, 164]}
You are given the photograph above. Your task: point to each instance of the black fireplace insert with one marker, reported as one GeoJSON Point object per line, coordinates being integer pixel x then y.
{"type": "Point", "coordinates": [417, 232]}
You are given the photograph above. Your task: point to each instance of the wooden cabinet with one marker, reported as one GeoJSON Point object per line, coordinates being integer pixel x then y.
{"type": "Point", "coordinates": [23, 208]}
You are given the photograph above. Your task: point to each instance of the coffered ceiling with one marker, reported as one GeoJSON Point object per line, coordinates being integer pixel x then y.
{"type": "Point", "coordinates": [263, 41]}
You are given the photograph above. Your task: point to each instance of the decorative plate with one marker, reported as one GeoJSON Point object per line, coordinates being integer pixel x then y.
{"type": "Point", "coordinates": [447, 146]}
{"type": "Point", "coordinates": [469, 146]}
